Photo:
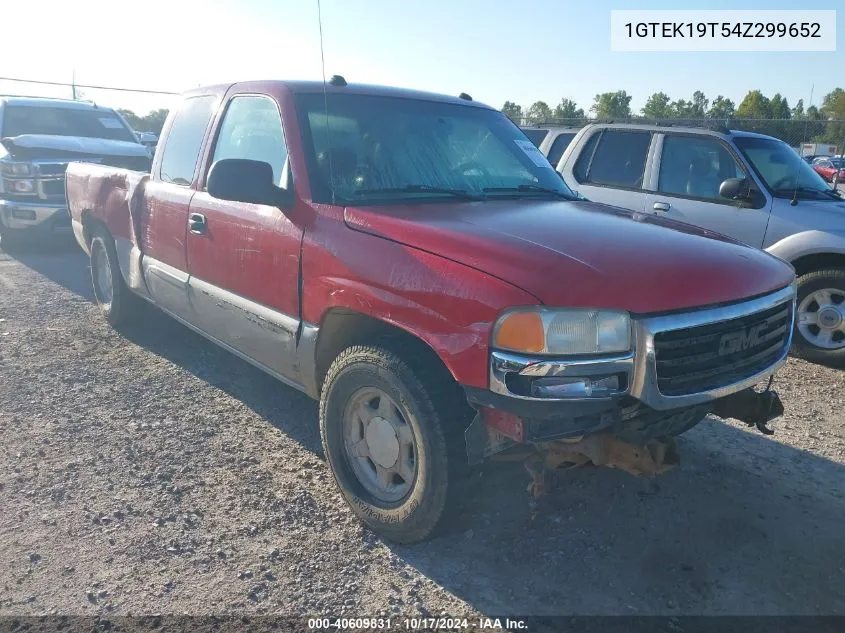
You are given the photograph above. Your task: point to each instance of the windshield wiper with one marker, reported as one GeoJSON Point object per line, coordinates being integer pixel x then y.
{"type": "Point", "coordinates": [530, 189]}
{"type": "Point", "coordinates": [791, 191]}
{"type": "Point", "coordinates": [456, 193]}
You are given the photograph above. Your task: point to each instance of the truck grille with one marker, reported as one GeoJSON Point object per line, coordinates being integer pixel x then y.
{"type": "Point", "coordinates": [710, 356]}
{"type": "Point", "coordinates": [53, 188]}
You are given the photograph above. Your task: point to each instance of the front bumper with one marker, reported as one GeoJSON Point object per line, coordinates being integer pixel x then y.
{"type": "Point", "coordinates": [31, 216]}
{"type": "Point", "coordinates": [638, 369]}
{"type": "Point", "coordinates": [639, 397]}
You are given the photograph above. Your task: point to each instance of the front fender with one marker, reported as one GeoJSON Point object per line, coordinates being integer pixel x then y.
{"type": "Point", "coordinates": [798, 245]}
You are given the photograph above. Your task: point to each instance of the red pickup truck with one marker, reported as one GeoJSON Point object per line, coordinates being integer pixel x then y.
{"type": "Point", "coordinates": [412, 261]}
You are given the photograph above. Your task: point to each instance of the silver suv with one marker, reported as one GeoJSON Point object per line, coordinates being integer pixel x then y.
{"type": "Point", "coordinates": [750, 187]}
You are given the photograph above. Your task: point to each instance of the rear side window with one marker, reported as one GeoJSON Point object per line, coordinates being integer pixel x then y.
{"type": "Point", "coordinates": [182, 147]}
{"type": "Point", "coordinates": [617, 161]}
{"type": "Point", "coordinates": [252, 128]}
{"type": "Point", "coordinates": [535, 136]}
{"type": "Point", "coordinates": [559, 147]}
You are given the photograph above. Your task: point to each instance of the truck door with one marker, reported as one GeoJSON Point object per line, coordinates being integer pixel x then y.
{"type": "Point", "coordinates": [244, 258]}
{"type": "Point", "coordinates": [691, 169]}
{"type": "Point", "coordinates": [168, 196]}
{"type": "Point", "coordinates": [609, 167]}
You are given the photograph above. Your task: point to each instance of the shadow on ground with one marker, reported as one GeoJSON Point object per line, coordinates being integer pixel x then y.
{"type": "Point", "coordinates": [746, 525]}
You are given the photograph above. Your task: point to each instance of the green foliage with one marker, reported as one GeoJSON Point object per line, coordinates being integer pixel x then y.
{"type": "Point", "coordinates": [512, 110]}
{"type": "Point", "coordinates": [755, 106]}
{"type": "Point", "coordinates": [658, 106]}
{"type": "Point", "coordinates": [568, 109]}
{"type": "Point", "coordinates": [612, 105]}
{"type": "Point", "coordinates": [721, 108]}
{"type": "Point", "coordinates": [151, 122]}
{"type": "Point", "coordinates": [539, 111]}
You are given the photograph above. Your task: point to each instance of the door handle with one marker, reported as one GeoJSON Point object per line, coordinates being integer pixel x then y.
{"type": "Point", "coordinates": [661, 206]}
{"type": "Point", "coordinates": [196, 223]}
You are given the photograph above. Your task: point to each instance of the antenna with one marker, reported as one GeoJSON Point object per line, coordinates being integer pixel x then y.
{"type": "Point", "coordinates": [326, 103]}
{"type": "Point", "coordinates": [794, 200]}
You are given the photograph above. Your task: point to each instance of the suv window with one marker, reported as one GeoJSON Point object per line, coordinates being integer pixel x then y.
{"type": "Point", "coordinates": [559, 147]}
{"type": "Point", "coordinates": [252, 128]}
{"type": "Point", "coordinates": [695, 166]}
{"type": "Point", "coordinates": [534, 135]}
{"type": "Point", "coordinates": [182, 147]}
{"type": "Point", "coordinates": [618, 160]}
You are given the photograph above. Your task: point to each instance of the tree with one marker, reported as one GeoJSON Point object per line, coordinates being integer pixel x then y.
{"type": "Point", "coordinates": [721, 108]}
{"type": "Point", "coordinates": [657, 106]}
{"type": "Point", "coordinates": [568, 109]}
{"type": "Point", "coordinates": [798, 110]}
{"type": "Point", "coordinates": [754, 106]}
{"type": "Point", "coordinates": [151, 122]}
{"type": "Point", "coordinates": [779, 107]}
{"type": "Point", "coordinates": [539, 111]}
{"type": "Point", "coordinates": [131, 118]}
{"type": "Point", "coordinates": [698, 105]}
{"type": "Point", "coordinates": [682, 108]}
{"type": "Point", "coordinates": [612, 105]}
{"type": "Point", "coordinates": [512, 110]}
{"type": "Point", "coordinates": [833, 104]}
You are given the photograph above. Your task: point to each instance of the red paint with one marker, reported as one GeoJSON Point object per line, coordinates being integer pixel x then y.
{"type": "Point", "coordinates": [440, 271]}
{"type": "Point", "coordinates": [505, 423]}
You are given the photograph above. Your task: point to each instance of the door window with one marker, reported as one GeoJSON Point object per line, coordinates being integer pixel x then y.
{"type": "Point", "coordinates": [182, 148]}
{"type": "Point", "coordinates": [252, 129]}
{"type": "Point", "coordinates": [695, 166]}
{"type": "Point", "coordinates": [618, 160]}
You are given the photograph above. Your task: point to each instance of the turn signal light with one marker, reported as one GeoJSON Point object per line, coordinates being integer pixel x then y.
{"type": "Point", "coordinates": [521, 331]}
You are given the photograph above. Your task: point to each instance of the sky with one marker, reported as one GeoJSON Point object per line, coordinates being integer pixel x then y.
{"type": "Point", "coordinates": [492, 49]}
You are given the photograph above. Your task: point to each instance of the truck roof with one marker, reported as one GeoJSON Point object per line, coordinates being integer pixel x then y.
{"type": "Point", "coordinates": [47, 102]}
{"type": "Point", "coordinates": [302, 87]}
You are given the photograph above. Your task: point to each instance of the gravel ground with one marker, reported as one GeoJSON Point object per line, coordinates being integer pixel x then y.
{"type": "Point", "coordinates": [150, 472]}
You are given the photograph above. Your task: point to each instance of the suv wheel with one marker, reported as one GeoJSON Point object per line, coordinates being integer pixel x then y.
{"type": "Point", "coordinates": [393, 436]}
{"type": "Point", "coordinates": [820, 320]}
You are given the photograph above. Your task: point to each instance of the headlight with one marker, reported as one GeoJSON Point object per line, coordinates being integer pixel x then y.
{"type": "Point", "coordinates": [17, 169]}
{"type": "Point", "coordinates": [19, 185]}
{"type": "Point", "coordinates": [564, 332]}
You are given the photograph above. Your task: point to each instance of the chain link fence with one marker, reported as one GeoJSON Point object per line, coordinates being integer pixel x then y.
{"type": "Point", "coordinates": [794, 132]}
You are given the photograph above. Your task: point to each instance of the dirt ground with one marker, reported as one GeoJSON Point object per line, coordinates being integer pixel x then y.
{"type": "Point", "coordinates": [150, 472]}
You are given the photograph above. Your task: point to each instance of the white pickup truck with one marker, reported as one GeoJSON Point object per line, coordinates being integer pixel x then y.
{"type": "Point", "coordinates": [751, 187]}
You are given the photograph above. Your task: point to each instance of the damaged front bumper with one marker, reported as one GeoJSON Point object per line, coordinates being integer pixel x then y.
{"type": "Point", "coordinates": [623, 411]}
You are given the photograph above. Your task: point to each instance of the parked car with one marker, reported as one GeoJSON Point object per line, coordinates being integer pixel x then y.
{"type": "Point", "coordinates": [38, 137]}
{"type": "Point", "coordinates": [412, 261]}
{"type": "Point", "coordinates": [148, 140]}
{"type": "Point", "coordinates": [554, 140]}
{"type": "Point", "coordinates": [828, 167]}
{"type": "Point", "coordinates": [751, 187]}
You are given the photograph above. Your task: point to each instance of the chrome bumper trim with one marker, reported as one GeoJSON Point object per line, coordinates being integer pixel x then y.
{"type": "Point", "coordinates": [43, 213]}
{"type": "Point", "coordinates": [640, 366]}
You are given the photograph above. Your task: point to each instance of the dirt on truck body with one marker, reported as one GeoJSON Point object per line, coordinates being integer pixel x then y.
{"type": "Point", "coordinates": [414, 263]}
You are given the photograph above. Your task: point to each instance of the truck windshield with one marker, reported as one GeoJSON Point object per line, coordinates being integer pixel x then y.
{"type": "Point", "coordinates": [100, 123]}
{"type": "Point", "coordinates": [782, 169]}
{"type": "Point", "coordinates": [383, 149]}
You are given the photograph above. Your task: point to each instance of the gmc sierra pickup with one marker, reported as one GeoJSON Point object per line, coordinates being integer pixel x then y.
{"type": "Point", "coordinates": [414, 263]}
{"type": "Point", "coordinates": [38, 137]}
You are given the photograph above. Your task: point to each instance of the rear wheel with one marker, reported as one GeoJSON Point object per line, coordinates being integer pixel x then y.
{"type": "Point", "coordinates": [393, 436]}
{"type": "Point", "coordinates": [820, 320]}
{"type": "Point", "coordinates": [115, 300]}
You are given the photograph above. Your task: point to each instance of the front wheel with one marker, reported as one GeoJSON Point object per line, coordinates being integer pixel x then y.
{"type": "Point", "coordinates": [393, 437]}
{"type": "Point", "coordinates": [820, 320]}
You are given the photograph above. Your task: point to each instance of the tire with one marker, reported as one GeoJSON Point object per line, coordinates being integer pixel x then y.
{"type": "Point", "coordinates": [115, 300]}
{"type": "Point", "coordinates": [431, 405]}
{"type": "Point", "coordinates": [809, 339]}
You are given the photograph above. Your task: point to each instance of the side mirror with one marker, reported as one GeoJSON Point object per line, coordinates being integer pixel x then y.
{"type": "Point", "coordinates": [735, 189]}
{"type": "Point", "coordinates": [243, 180]}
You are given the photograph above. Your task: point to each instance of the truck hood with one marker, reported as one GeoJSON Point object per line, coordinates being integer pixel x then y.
{"type": "Point", "coordinates": [583, 254]}
{"type": "Point", "coordinates": [28, 146]}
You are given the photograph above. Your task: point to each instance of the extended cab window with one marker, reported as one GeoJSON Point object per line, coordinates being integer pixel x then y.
{"type": "Point", "coordinates": [615, 158]}
{"type": "Point", "coordinates": [252, 128]}
{"type": "Point", "coordinates": [695, 166]}
{"type": "Point", "coordinates": [182, 147]}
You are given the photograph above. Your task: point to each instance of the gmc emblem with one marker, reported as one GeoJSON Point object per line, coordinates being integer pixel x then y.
{"type": "Point", "coordinates": [734, 342]}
